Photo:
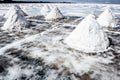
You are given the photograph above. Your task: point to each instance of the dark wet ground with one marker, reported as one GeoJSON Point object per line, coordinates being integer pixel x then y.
{"type": "Point", "coordinates": [15, 56]}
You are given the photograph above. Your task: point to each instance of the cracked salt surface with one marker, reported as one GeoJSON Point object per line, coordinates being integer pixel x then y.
{"type": "Point", "coordinates": [43, 55]}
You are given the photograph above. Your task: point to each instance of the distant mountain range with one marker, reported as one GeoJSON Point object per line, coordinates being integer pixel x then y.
{"type": "Point", "coordinates": [78, 1]}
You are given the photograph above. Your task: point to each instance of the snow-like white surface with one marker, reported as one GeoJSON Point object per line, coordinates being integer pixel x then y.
{"type": "Point", "coordinates": [107, 19]}
{"type": "Point", "coordinates": [15, 21]}
{"type": "Point", "coordinates": [77, 9]}
{"type": "Point", "coordinates": [54, 14]}
{"type": "Point", "coordinates": [15, 72]}
{"type": "Point", "coordinates": [49, 47]}
{"type": "Point", "coordinates": [18, 43]}
{"type": "Point", "coordinates": [76, 63]}
{"type": "Point", "coordinates": [88, 36]}
{"type": "Point", "coordinates": [17, 8]}
{"type": "Point", "coordinates": [45, 10]}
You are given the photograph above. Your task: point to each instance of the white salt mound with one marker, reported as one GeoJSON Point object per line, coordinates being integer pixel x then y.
{"type": "Point", "coordinates": [45, 10]}
{"type": "Point", "coordinates": [15, 7]}
{"type": "Point", "coordinates": [54, 14]}
{"type": "Point", "coordinates": [15, 22]}
{"type": "Point", "coordinates": [106, 19]}
{"type": "Point", "coordinates": [88, 36]}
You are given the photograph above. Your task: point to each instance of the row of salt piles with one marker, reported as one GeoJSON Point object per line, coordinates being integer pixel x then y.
{"type": "Point", "coordinates": [91, 36]}
{"type": "Point", "coordinates": [51, 14]}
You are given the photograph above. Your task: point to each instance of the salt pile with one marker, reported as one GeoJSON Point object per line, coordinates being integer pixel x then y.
{"type": "Point", "coordinates": [45, 10]}
{"type": "Point", "coordinates": [15, 21]}
{"type": "Point", "coordinates": [106, 19]}
{"type": "Point", "coordinates": [54, 14]}
{"type": "Point", "coordinates": [88, 36]}
{"type": "Point", "coordinates": [17, 8]}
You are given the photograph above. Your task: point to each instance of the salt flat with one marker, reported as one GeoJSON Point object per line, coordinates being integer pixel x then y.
{"type": "Point", "coordinates": [39, 51]}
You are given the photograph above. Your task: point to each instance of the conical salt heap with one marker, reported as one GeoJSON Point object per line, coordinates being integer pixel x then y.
{"type": "Point", "coordinates": [17, 8]}
{"type": "Point", "coordinates": [54, 15]}
{"type": "Point", "coordinates": [88, 36]}
{"type": "Point", "coordinates": [15, 22]}
{"type": "Point", "coordinates": [106, 19]}
{"type": "Point", "coordinates": [45, 10]}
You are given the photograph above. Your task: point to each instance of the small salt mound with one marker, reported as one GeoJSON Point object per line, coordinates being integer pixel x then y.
{"type": "Point", "coordinates": [15, 22]}
{"type": "Point", "coordinates": [106, 19]}
{"type": "Point", "coordinates": [45, 10]}
{"type": "Point", "coordinates": [13, 8]}
{"type": "Point", "coordinates": [54, 14]}
{"type": "Point", "coordinates": [88, 36]}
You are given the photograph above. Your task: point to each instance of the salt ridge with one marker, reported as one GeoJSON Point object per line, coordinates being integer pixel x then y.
{"type": "Point", "coordinates": [88, 36]}
{"type": "Point", "coordinates": [106, 19]}
{"type": "Point", "coordinates": [15, 7]}
{"type": "Point", "coordinates": [54, 14]}
{"type": "Point", "coordinates": [15, 21]}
